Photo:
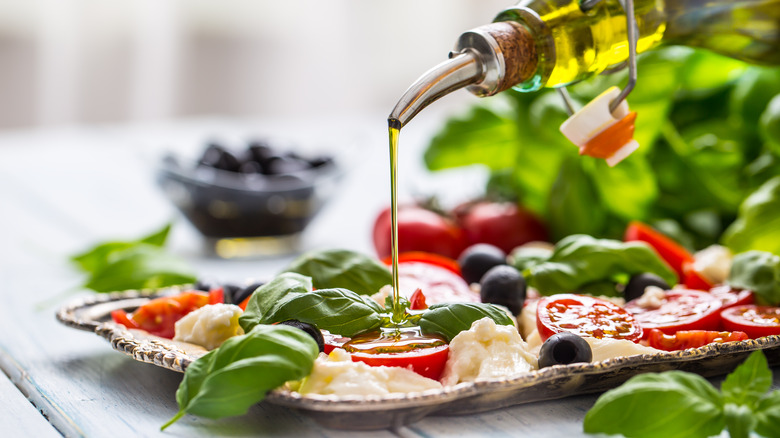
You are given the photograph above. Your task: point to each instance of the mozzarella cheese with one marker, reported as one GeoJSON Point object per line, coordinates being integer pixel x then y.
{"type": "Point", "coordinates": [209, 326]}
{"type": "Point", "coordinates": [336, 374]}
{"type": "Point", "coordinates": [487, 351]}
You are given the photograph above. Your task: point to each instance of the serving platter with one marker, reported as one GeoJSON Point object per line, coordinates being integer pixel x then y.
{"type": "Point", "coordinates": [93, 313]}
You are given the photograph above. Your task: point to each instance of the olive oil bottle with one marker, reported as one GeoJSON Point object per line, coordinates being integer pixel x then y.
{"type": "Point", "coordinates": [554, 43]}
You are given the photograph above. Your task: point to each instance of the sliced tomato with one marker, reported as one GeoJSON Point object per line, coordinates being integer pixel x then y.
{"type": "Point", "coordinates": [670, 251]}
{"type": "Point", "coordinates": [756, 321]}
{"type": "Point", "coordinates": [217, 295]}
{"type": "Point", "coordinates": [424, 354]}
{"type": "Point", "coordinates": [730, 297]}
{"type": "Point", "coordinates": [159, 315]}
{"type": "Point", "coordinates": [332, 341]}
{"type": "Point", "coordinates": [417, 301]}
{"type": "Point", "coordinates": [585, 316]}
{"type": "Point", "coordinates": [682, 309]}
{"type": "Point", "coordinates": [691, 338]}
{"type": "Point", "coordinates": [122, 317]}
{"type": "Point", "coordinates": [426, 257]}
{"type": "Point", "coordinates": [439, 284]}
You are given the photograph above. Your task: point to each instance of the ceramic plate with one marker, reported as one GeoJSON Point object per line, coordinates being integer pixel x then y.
{"type": "Point", "coordinates": [375, 412]}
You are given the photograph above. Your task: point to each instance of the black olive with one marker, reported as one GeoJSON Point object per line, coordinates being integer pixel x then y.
{"type": "Point", "coordinates": [320, 161]}
{"type": "Point", "coordinates": [312, 331]}
{"type": "Point", "coordinates": [280, 165]}
{"type": "Point", "coordinates": [477, 259]}
{"type": "Point", "coordinates": [259, 151]}
{"type": "Point", "coordinates": [218, 157]}
{"type": "Point", "coordinates": [239, 293]}
{"type": "Point", "coordinates": [635, 287]}
{"type": "Point", "coordinates": [503, 285]}
{"type": "Point", "coordinates": [564, 348]}
{"type": "Point", "coordinates": [205, 285]}
{"type": "Point", "coordinates": [250, 167]}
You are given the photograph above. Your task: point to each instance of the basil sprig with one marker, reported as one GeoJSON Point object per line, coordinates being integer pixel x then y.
{"type": "Point", "coordinates": [679, 404]}
{"type": "Point", "coordinates": [583, 263]}
{"type": "Point", "coordinates": [229, 380]}
{"type": "Point", "coordinates": [341, 311]}
{"type": "Point", "coordinates": [138, 264]}
{"type": "Point", "coordinates": [343, 269]}
{"type": "Point", "coordinates": [758, 271]}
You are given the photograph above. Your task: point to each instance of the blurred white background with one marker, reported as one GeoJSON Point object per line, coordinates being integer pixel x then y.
{"type": "Point", "coordinates": [66, 62]}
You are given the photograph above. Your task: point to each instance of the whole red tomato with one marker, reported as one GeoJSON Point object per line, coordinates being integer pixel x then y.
{"type": "Point", "coordinates": [502, 224]}
{"type": "Point", "coordinates": [419, 229]}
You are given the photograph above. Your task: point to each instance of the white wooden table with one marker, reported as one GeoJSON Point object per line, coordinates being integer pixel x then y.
{"type": "Point", "coordinates": [62, 190]}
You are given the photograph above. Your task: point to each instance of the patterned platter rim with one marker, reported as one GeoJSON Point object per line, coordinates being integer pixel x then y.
{"type": "Point", "coordinates": [92, 313]}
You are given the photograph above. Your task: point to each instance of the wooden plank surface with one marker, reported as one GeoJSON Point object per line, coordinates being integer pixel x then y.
{"type": "Point", "coordinates": [18, 416]}
{"type": "Point", "coordinates": [63, 190]}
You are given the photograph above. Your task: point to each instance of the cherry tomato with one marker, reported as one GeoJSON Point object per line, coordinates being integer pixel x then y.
{"type": "Point", "coordinates": [502, 224]}
{"type": "Point", "coordinates": [693, 279]}
{"type": "Point", "coordinates": [756, 321]}
{"type": "Point", "coordinates": [670, 251]}
{"type": "Point", "coordinates": [440, 285]}
{"type": "Point", "coordinates": [426, 257]}
{"type": "Point", "coordinates": [423, 354]}
{"type": "Point", "coordinates": [217, 295]}
{"type": "Point", "coordinates": [417, 301]}
{"type": "Point", "coordinates": [690, 339]}
{"type": "Point", "coordinates": [121, 317]}
{"type": "Point", "coordinates": [159, 315]}
{"type": "Point", "coordinates": [682, 309]}
{"type": "Point", "coordinates": [585, 316]}
{"type": "Point", "coordinates": [419, 229]}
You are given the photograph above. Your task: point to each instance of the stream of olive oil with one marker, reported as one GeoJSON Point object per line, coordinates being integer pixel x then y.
{"type": "Point", "coordinates": [394, 131]}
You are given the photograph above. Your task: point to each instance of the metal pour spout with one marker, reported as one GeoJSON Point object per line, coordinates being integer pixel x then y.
{"type": "Point", "coordinates": [487, 60]}
{"type": "Point", "coordinates": [460, 70]}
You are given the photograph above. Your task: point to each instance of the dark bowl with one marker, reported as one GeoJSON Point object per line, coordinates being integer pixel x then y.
{"type": "Point", "coordinates": [223, 204]}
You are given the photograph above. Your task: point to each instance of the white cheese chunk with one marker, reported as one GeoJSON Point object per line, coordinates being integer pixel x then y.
{"type": "Point", "coordinates": [487, 351]}
{"type": "Point", "coordinates": [336, 374]}
{"type": "Point", "coordinates": [209, 326]}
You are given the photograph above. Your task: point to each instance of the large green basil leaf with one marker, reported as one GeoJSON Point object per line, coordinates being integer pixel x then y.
{"type": "Point", "coordinates": [270, 295]}
{"type": "Point", "coordinates": [574, 206]}
{"type": "Point", "coordinates": [758, 224]}
{"type": "Point", "coordinates": [483, 136]}
{"type": "Point", "coordinates": [758, 271]}
{"type": "Point", "coordinates": [342, 268]}
{"type": "Point", "coordinates": [749, 382]}
{"type": "Point", "coordinates": [336, 310]}
{"type": "Point", "coordinates": [767, 415]}
{"type": "Point", "coordinates": [139, 267]}
{"type": "Point", "coordinates": [450, 319]}
{"type": "Point", "coordinates": [227, 381]}
{"type": "Point", "coordinates": [100, 255]}
{"type": "Point", "coordinates": [671, 404]}
{"type": "Point", "coordinates": [580, 260]}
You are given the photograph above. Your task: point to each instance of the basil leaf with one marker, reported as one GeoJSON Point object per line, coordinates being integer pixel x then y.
{"type": "Point", "coordinates": [524, 257]}
{"type": "Point", "coordinates": [269, 296]}
{"type": "Point", "coordinates": [342, 268]}
{"type": "Point", "coordinates": [573, 204]}
{"type": "Point", "coordinates": [758, 223]}
{"type": "Point", "coordinates": [97, 257]}
{"type": "Point", "coordinates": [336, 310]}
{"type": "Point", "coordinates": [739, 420]}
{"type": "Point", "coordinates": [758, 271]}
{"type": "Point", "coordinates": [138, 267]}
{"type": "Point", "coordinates": [227, 381]}
{"type": "Point", "coordinates": [671, 404]}
{"type": "Point", "coordinates": [450, 319]}
{"type": "Point", "coordinates": [580, 260]}
{"type": "Point", "coordinates": [768, 415]}
{"type": "Point", "coordinates": [748, 383]}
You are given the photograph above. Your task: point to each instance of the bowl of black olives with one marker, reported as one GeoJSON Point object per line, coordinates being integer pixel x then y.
{"type": "Point", "coordinates": [252, 199]}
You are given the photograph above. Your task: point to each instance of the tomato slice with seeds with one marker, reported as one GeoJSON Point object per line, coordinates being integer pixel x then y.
{"type": "Point", "coordinates": [408, 348]}
{"type": "Point", "coordinates": [682, 309]}
{"type": "Point", "coordinates": [730, 296]}
{"type": "Point", "coordinates": [439, 284]}
{"type": "Point", "coordinates": [585, 316]}
{"type": "Point", "coordinates": [159, 316]}
{"type": "Point", "coordinates": [756, 321]}
{"type": "Point", "coordinates": [685, 339]}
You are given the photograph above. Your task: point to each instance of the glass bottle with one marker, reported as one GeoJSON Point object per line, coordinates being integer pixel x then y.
{"type": "Point", "coordinates": [554, 43]}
